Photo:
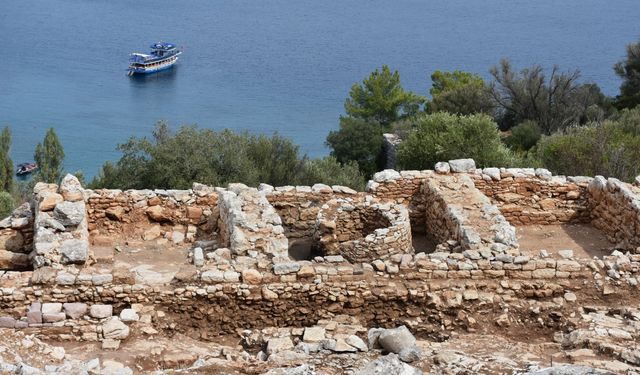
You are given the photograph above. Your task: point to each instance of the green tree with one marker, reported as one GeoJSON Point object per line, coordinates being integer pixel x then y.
{"type": "Point", "coordinates": [176, 160]}
{"type": "Point", "coordinates": [610, 148]}
{"type": "Point", "coordinates": [6, 164]}
{"type": "Point", "coordinates": [357, 140]}
{"type": "Point", "coordinates": [554, 103]}
{"type": "Point", "coordinates": [443, 136]}
{"type": "Point", "coordinates": [629, 71]}
{"type": "Point", "coordinates": [49, 155]}
{"type": "Point", "coordinates": [524, 136]}
{"type": "Point", "coordinates": [460, 93]}
{"type": "Point", "coordinates": [381, 99]}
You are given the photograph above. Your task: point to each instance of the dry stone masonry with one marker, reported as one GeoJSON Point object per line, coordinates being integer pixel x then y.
{"type": "Point", "coordinates": [105, 265]}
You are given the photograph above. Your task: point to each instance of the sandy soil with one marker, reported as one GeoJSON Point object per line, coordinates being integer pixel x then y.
{"type": "Point", "coordinates": [585, 240]}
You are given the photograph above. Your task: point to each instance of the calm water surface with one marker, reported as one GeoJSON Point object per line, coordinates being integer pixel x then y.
{"type": "Point", "coordinates": [267, 66]}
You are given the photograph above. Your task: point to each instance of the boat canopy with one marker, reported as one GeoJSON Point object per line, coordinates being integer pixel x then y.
{"type": "Point", "coordinates": [163, 46]}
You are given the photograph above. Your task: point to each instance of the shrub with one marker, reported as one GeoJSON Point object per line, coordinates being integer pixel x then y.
{"type": "Point", "coordinates": [524, 136]}
{"type": "Point", "coordinates": [331, 172]}
{"type": "Point", "coordinates": [443, 136]}
{"type": "Point", "coordinates": [6, 204]}
{"type": "Point", "coordinates": [610, 149]}
{"type": "Point", "coordinates": [357, 140]}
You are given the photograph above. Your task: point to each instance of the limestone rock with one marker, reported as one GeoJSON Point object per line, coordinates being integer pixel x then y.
{"type": "Point", "coordinates": [75, 310]}
{"type": "Point", "coordinates": [115, 213]}
{"type": "Point", "coordinates": [13, 261]}
{"type": "Point", "coordinates": [442, 167]}
{"type": "Point", "coordinates": [388, 365]}
{"type": "Point", "coordinates": [69, 213]}
{"type": "Point", "coordinates": [396, 339]}
{"type": "Point", "coordinates": [198, 257]}
{"type": "Point", "coordinates": [251, 276]}
{"type": "Point", "coordinates": [129, 315]}
{"type": "Point", "coordinates": [158, 214]}
{"type": "Point", "coordinates": [152, 233]}
{"type": "Point", "coordinates": [74, 251]}
{"type": "Point", "coordinates": [13, 242]}
{"type": "Point", "coordinates": [279, 344]}
{"type": "Point", "coordinates": [462, 165]}
{"type": "Point", "coordinates": [101, 311]}
{"type": "Point", "coordinates": [71, 189]}
{"type": "Point", "coordinates": [114, 329]}
{"type": "Point", "coordinates": [49, 201]}
{"type": "Point", "coordinates": [313, 334]}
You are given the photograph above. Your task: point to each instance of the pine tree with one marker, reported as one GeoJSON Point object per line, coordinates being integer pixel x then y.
{"type": "Point", "coordinates": [49, 155]}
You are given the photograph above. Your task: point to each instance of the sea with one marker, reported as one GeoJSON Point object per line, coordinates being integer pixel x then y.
{"type": "Point", "coordinates": [267, 66]}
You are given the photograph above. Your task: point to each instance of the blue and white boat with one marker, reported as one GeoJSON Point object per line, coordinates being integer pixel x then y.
{"type": "Point", "coordinates": [162, 56]}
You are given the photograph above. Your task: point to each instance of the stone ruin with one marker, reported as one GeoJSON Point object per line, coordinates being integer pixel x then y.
{"type": "Point", "coordinates": [427, 249]}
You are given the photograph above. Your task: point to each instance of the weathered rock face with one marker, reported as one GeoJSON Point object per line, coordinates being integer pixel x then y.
{"type": "Point", "coordinates": [69, 213]}
{"type": "Point", "coordinates": [74, 251]}
{"type": "Point", "coordinates": [61, 236]}
{"type": "Point", "coordinates": [249, 222]}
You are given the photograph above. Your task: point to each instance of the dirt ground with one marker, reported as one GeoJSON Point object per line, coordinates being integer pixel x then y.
{"type": "Point", "coordinates": [585, 240]}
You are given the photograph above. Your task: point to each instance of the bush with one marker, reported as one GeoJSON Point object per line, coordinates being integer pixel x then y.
{"type": "Point", "coordinates": [360, 141]}
{"type": "Point", "coordinates": [610, 149]}
{"type": "Point", "coordinates": [190, 155]}
{"type": "Point", "coordinates": [6, 204]}
{"type": "Point", "coordinates": [443, 136]}
{"type": "Point", "coordinates": [331, 172]}
{"type": "Point", "coordinates": [524, 136]}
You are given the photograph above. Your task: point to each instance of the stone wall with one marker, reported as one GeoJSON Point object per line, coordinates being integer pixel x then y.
{"type": "Point", "coordinates": [615, 210]}
{"type": "Point", "coordinates": [456, 210]}
{"type": "Point", "coordinates": [402, 188]}
{"type": "Point", "coordinates": [177, 215]}
{"type": "Point", "coordinates": [403, 286]}
{"type": "Point", "coordinates": [362, 230]}
{"type": "Point", "coordinates": [60, 233]}
{"type": "Point", "coordinates": [533, 196]}
{"type": "Point", "coordinates": [16, 239]}
{"type": "Point", "coordinates": [298, 206]}
{"type": "Point", "coordinates": [248, 222]}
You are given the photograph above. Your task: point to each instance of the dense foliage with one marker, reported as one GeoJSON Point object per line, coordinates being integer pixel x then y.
{"type": "Point", "coordinates": [359, 141]}
{"type": "Point", "coordinates": [444, 136]}
{"type": "Point", "coordinates": [49, 155]}
{"type": "Point", "coordinates": [611, 148]}
{"type": "Point", "coordinates": [629, 71]}
{"type": "Point", "coordinates": [524, 136]}
{"type": "Point", "coordinates": [6, 164]}
{"type": "Point", "coordinates": [380, 98]}
{"type": "Point", "coordinates": [460, 93]}
{"type": "Point", "coordinates": [7, 204]}
{"type": "Point", "coordinates": [176, 160]}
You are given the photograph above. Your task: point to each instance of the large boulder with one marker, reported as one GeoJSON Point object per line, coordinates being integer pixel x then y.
{"type": "Point", "coordinates": [70, 214]}
{"type": "Point", "coordinates": [396, 340]}
{"type": "Point", "coordinates": [74, 251]}
{"type": "Point", "coordinates": [388, 365]}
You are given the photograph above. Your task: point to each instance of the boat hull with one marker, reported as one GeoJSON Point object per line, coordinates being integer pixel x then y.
{"type": "Point", "coordinates": [151, 70]}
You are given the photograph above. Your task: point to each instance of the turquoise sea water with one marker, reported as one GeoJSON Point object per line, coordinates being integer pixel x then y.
{"type": "Point", "coordinates": [270, 65]}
